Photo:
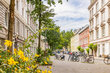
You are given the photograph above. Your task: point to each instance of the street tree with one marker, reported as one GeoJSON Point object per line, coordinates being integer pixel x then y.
{"type": "Point", "coordinates": [67, 37]}
{"type": "Point", "coordinates": [11, 22]}
{"type": "Point", "coordinates": [95, 48]}
{"type": "Point", "coordinates": [42, 14]}
{"type": "Point", "coordinates": [91, 47]}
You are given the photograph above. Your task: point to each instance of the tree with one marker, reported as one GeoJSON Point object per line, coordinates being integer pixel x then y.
{"type": "Point", "coordinates": [95, 48]}
{"type": "Point", "coordinates": [42, 13]}
{"type": "Point", "coordinates": [53, 37]}
{"type": "Point", "coordinates": [11, 22]}
{"type": "Point", "coordinates": [91, 47]}
{"type": "Point", "coordinates": [67, 37]}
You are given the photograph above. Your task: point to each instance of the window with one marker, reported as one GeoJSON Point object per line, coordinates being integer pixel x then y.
{"type": "Point", "coordinates": [18, 27]}
{"type": "Point", "coordinates": [103, 1]}
{"type": "Point", "coordinates": [23, 30]}
{"type": "Point", "coordinates": [97, 20]}
{"type": "Point", "coordinates": [97, 33]}
{"type": "Point", "coordinates": [92, 11]}
{"type": "Point", "coordinates": [103, 49]}
{"type": "Point", "coordinates": [97, 7]}
{"type": "Point", "coordinates": [28, 18]}
{"type": "Point", "coordinates": [109, 12]}
{"type": "Point", "coordinates": [6, 18]}
{"type": "Point", "coordinates": [22, 11]}
{"type": "Point", "coordinates": [98, 49]}
{"type": "Point", "coordinates": [17, 4]}
{"type": "Point", "coordinates": [103, 31]}
{"type": "Point", "coordinates": [103, 16]}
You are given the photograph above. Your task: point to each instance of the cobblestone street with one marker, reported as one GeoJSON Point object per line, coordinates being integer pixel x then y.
{"type": "Point", "coordinates": [77, 67]}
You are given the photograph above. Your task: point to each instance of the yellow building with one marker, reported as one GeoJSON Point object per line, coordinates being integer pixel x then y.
{"type": "Point", "coordinates": [75, 41]}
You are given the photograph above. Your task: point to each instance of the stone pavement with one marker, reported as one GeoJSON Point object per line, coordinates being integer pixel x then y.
{"type": "Point", "coordinates": [78, 67]}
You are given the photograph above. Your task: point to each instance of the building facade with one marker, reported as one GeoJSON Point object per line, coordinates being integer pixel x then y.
{"type": "Point", "coordinates": [24, 26]}
{"type": "Point", "coordinates": [100, 25]}
{"type": "Point", "coordinates": [84, 37]}
{"type": "Point", "coordinates": [75, 41]}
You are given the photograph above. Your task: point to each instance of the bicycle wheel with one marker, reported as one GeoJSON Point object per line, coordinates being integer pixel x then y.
{"type": "Point", "coordinates": [105, 60]}
{"type": "Point", "coordinates": [77, 59]}
{"type": "Point", "coordinates": [91, 60]}
{"type": "Point", "coordinates": [83, 59]}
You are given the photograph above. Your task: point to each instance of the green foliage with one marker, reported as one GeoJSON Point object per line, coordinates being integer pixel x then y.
{"type": "Point", "coordinates": [95, 47]}
{"type": "Point", "coordinates": [67, 38]}
{"type": "Point", "coordinates": [79, 48]}
{"type": "Point", "coordinates": [88, 50]}
{"type": "Point", "coordinates": [82, 50]}
{"type": "Point", "coordinates": [91, 46]}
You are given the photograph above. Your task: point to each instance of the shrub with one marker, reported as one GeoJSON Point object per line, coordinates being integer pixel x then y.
{"type": "Point", "coordinates": [79, 48]}
{"type": "Point", "coordinates": [87, 50]}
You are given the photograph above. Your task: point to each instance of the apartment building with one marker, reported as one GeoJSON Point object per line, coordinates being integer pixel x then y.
{"type": "Point", "coordinates": [100, 25]}
{"type": "Point", "coordinates": [84, 37]}
{"type": "Point", "coordinates": [75, 41]}
{"type": "Point", "coordinates": [24, 25]}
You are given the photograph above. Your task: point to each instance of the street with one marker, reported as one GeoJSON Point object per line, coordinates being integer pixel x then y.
{"type": "Point", "coordinates": [78, 67]}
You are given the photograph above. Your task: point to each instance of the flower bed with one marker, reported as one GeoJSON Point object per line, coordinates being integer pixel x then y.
{"type": "Point", "coordinates": [20, 63]}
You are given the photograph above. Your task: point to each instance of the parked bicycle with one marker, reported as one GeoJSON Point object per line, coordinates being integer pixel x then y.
{"type": "Point", "coordinates": [75, 57]}
{"type": "Point", "coordinates": [88, 59]}
{"type": "Point", "coordinates": [107, 59]}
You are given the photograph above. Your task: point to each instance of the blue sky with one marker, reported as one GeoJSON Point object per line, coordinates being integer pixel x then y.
{"type": "Point", "coordinates": [72, 14]}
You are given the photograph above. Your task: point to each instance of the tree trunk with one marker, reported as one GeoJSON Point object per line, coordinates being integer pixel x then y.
{"type": "Point", "coordinates": [11, 23]}
{"type": "Point", "coordinates": [39, 39]}
{"type": "Point", "coordinates": [92, 52]}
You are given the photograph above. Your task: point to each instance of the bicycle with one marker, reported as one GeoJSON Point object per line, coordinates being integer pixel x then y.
{"type": "Point", "coordinates": [75, 58]}
{"type": "Point", "coordinates": [88, 59]}
{"type": "Point", "coordinates": [107, 59]}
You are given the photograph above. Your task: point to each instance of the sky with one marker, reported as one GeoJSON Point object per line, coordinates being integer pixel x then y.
{"type": "Point", "coordinates": [72, 14]}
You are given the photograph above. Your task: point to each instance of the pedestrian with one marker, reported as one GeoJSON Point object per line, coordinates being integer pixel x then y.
{"type": "Point", "coordinates": [70, 55]}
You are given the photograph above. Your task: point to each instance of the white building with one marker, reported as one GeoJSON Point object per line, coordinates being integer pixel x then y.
{"type": "Point", "coordinates": [24, 26]}
{"type": "Point", "coordinates": [100, 25]}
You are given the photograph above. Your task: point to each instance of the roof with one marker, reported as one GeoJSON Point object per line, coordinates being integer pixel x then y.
{"type": "Point", "coordinates": [84, 28]}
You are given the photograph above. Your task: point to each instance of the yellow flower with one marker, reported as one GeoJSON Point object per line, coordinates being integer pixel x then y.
{"type": "Point", "coordinates": [37, 55]}
{"type": "Point", "coordinates": [8, 43]}
{"type": "Point", "coordinates": [0, 56]}
{"type": "Point", "coordinates": [28, 68]}
{"type": "Point", "coordinates": [50, 67]}
{"type": "Point", "coordinates": [16, 69]}
{"type": "Point", "coordinates": [49, 71]}
{"type": "Point", "coordinates": [45, 71]}
{"type": "Point", "coordinates": [8, 51]}
{"type": "Point", "coordinates": [11, 61]}
{"type": "Point", "coordinates": [20, 53]}
{"type": "Point", "coordinates": [25, 59]}
{"type": "Point", "coordinates": [45, 62]}
{"type": "Point", "coordinates": [33, 66]}
{"type": "Point", "coordinates": [47, 59]}
{"type": "Point", "coordinates": [38, 71]}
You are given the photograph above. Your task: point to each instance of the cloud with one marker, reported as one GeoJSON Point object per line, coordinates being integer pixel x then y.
{"type": "Point", "coordinates": [72, 14]}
